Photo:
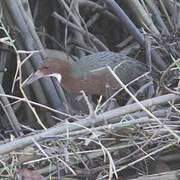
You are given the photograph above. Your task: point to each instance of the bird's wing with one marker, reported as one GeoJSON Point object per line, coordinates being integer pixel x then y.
{"type": "Point", "coordinates": [96, 63]}
{"type": "Point", "coordinates": [125, 67]}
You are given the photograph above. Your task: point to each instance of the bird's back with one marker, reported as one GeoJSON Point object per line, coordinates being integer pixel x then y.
{"type": "Point", "coordinates": [125, 67]}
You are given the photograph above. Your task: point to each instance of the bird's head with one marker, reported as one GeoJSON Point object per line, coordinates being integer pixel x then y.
{"type": "Point", "coordinates": [50, 68]}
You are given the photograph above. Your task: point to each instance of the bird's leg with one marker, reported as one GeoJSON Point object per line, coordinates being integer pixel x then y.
{"type": "Point", "coordinates": [108, 90]}
{"type": "Point", "coordinates": [112, 102]}
{"type": "Point", "coordinates": [151, 90]}
{"type": "Point", "coordinates": [92, 113]}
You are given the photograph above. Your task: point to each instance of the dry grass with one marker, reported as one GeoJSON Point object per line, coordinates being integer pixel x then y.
{"type": "Point", "coordinates": [38, 140]}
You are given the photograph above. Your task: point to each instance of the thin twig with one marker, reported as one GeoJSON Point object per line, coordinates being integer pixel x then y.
{"type": "Point", "coordinates": [141, 105]}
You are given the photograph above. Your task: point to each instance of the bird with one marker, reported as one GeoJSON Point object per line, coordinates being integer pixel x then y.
{"type": "Point", "coordinates": [90, 72]}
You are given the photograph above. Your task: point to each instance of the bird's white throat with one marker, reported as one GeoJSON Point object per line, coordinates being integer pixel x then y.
{"type": "Point", "coordinates": [57, 76]}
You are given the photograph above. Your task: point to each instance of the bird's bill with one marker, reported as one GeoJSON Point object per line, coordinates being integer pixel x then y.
{"type": "Point", "coordinates": [33, 77]}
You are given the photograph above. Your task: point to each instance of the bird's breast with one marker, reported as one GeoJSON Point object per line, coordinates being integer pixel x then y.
{"type": "Point", "coordinates": [92, 84]}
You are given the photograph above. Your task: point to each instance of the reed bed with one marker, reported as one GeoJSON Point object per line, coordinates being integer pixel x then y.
{"type": "Point", "coordinates": [46, 133]}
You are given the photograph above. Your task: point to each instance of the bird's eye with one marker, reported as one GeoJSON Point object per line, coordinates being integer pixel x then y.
{"type": "Point", "coordinates": [46, 67]}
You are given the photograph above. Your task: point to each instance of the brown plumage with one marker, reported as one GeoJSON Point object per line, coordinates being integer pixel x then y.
{"type": "Point", "coordinates": [89, 73]}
